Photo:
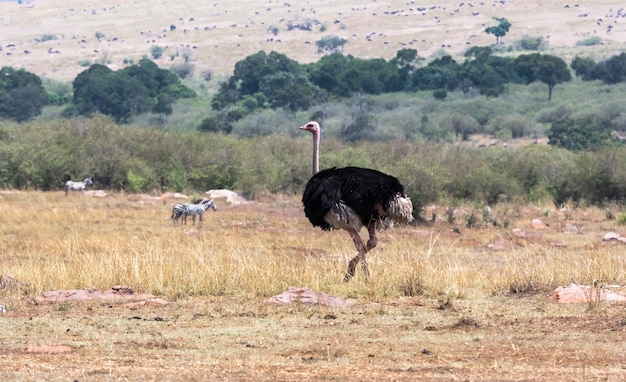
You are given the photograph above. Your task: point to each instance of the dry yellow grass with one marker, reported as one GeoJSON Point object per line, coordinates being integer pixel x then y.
{"type": "Point", "coordinates": [219, 34]}
{"type": "Point", "coordinates": [256, 250]}
{"type": "Point", "coordinates": [438, 305]}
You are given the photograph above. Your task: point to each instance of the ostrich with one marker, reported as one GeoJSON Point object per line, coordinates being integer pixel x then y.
{"type": "Point", "coordinates": [352, 197]}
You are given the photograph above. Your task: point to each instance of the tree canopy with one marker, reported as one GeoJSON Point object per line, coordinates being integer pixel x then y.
{"type": "Point", "coordinates": [589, 132]}
{"type": "Point", "coordinates": [22, 95]}
{"type": "Point", "coordinates": [136, 89]}
{"type": "Point", "coordinates": [499, 30]}
{"type": "Point", "coordinates": [548, 69]}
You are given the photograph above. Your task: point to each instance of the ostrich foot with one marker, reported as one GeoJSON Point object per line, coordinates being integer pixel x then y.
{"type": "Point", "coordinates": [351, 269]}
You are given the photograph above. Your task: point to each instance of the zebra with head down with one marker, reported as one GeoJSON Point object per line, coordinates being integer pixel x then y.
{"type": "Point", "coordinates": [77, 186]}
{"type": "Point", "coordinates": [185, 209]}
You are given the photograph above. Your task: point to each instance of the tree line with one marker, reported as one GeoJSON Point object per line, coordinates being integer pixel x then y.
{"type": "Point", "coordinates": [273, 80]}
{"type": "Point", "coordinates": [122, 94]}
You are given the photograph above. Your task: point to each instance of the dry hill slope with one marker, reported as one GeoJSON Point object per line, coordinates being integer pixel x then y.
{"type": "Point", "coordinates": [216, 35]}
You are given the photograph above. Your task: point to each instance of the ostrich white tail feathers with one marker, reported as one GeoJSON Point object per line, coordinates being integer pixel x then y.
{"type": "Point", "coordinates": [400, 209]}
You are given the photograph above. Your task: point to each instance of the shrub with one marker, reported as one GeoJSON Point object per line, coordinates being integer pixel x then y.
{"type": "Point", "coordinates": [182, 70]}
{"type": "Point", "coordinates": [531, 43]}
{"type": "Point", "coordinates": [273, 29]}
{"type": "Point", "coordinates": [440, 94]}
{"type": "Point", "coordinates": [48, 37]}
{"type": "Point", "coordinates": [207, 75]}
{"type": "Point", "coordinates": [156, 51]}
{"type": "Point", "coordinates": [594, 40]}
{"type": "Point", "coordinates": [621, 219]}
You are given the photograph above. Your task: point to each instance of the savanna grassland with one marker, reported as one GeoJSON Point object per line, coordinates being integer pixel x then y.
{"type": "Point", "coordinates": [440, 305]}
{"type": "Point", "coordinates": [444, 301]}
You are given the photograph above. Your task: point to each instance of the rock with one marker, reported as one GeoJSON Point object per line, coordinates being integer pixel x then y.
{"type": "Point", "coordinates": [538, 224]}
{"type": "Point", "coordinates": [119, 293]}
{"type": "Point", "coordinates": [95, 193]}
{"type": "Point", "coordinates": [295, 295]}
{"type": "Point", "coordinates": [498, 245]}
{"type": "Point", "coordinates": [231, 197]}
{"type": "Point", "coordinates": [518, 232]}
{"type": "Point", "coordinates": [611, 236]}
{"type": "Point", "coordinates": [583, 293]}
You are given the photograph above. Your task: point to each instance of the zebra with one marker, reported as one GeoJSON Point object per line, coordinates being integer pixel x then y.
{"type": "Point", "coordinates": [77, 186]}
{"type": "Point", "coordinates": [192, 209]}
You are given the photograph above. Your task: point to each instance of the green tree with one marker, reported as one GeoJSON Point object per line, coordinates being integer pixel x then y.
{"type": "Point", "coordinates": [552, 71]}
{"type": "Point", "coordinates": [291, 91]}
{"type": "Point", "coordinates": [442, 73]}
{"type": "Point", "coordinates": [272, 79]}
{"type": "Point", "coordinates": [613, 70]}
{"type": "Point", "coordinates": [583, 67]}
{"type": "Point", "coordinates": [22, 95]}
{"type": "Point", "coordinates": [133, 90]}
{"type": "Point", "coordinates": [330, 44]}
{"type": "Point", "coordinates": [548, 69]}
{"type": "Point", "coordinates": [488, 73]}
{"type": "Point", "coordinates": [499, 30]}
{"type": "Point", "coordinates": [326, 73]}
{"type": "Point", "coordinates": [586, 133]}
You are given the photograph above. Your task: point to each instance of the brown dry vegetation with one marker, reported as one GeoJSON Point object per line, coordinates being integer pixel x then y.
{"type": "Point", "coordinates": [439, 306]}
{"type": "Point", "coordinates": [218, 34]}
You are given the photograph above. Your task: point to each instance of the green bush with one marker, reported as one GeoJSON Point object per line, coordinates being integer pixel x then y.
{"type": "Point", "coordinates": [183, 70]}
{"type": "Point", "coordinates": [156, 51]}
{"type": "Point", "coordinates": [48, 37]}
{"type": "Point", "coordinates": [591, 41]}
{"type": "Point", "coordinates": [531, 43]}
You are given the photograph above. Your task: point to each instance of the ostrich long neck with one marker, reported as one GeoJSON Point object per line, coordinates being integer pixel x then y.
{"type": "Point", "coordinates": [315, 168]}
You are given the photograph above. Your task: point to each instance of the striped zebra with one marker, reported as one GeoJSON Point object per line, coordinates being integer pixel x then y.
{"type": "Point", "coordinates": [185, 209]}
{"type": "Point", "coordinates": [77, 186]}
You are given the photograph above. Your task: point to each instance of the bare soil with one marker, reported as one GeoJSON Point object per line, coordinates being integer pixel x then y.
{"type": "Point", "coordinates": [520, 338]}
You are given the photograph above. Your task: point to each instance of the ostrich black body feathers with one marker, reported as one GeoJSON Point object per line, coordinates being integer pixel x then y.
{"type": "Point", "coordinates": [368, 193]}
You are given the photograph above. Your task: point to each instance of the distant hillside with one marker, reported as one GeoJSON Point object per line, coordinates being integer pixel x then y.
{"type": "Point", "coordinates": [50, 38]}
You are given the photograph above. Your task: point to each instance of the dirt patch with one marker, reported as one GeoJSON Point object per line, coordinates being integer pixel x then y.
{"type": "Point", "coordinates": [49, 349]}
{"type": "Point", "coordinates": [296, 295]}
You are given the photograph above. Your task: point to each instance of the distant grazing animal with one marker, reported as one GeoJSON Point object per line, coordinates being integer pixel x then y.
{"type": "Point", "coordinates": [198, 208]}
{"type": "Point", "coordinates": [352, 197]}
{"type": "Point", "coordinates": [77, 186]}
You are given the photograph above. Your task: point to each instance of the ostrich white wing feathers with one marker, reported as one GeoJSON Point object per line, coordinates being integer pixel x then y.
{"type": "Point", "coordinates": [343, 216]}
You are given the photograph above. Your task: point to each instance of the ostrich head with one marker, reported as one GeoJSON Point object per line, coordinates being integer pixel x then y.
{"type": "Point", "coordinates": [314, 128]}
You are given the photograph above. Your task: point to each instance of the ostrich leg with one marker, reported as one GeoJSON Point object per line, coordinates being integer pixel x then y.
{"type": "Point", "coordinates": [363, 249]}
